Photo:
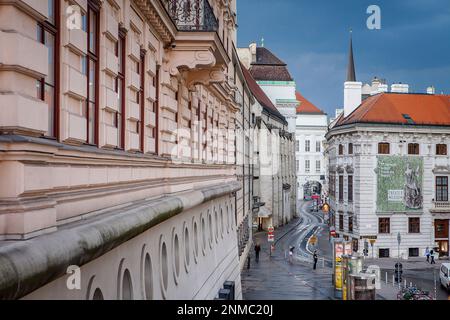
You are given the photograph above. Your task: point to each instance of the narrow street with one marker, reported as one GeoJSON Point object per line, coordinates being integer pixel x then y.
{"type": "Point", "coordinates": [274, 277]}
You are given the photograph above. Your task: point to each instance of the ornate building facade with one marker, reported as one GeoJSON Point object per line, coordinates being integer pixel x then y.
{"type": "Point", "coordinates": [117, 149]}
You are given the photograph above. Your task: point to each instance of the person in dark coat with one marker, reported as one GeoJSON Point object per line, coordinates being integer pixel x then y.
{"type": "Point", "coordinates": [432, 257]}
{"type": "Point", "coordinates": [316, 258]}
{"type": "Point", "coordinates": [257, 250]}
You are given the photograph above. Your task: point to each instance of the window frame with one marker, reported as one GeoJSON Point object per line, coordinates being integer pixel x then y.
{"type": "Point", "coordinates": [413, 149]}
{"type": "Point", "coordinates": [93, 7]}
{"type": "Point", "coordinates": [53, 28]}
{"type": "Point", "coordinates": [440, 196]}
{"type": "Point", "coordinates": [382, 145]}
{"type": "Point", "coordinates": [341, 188]}
{"type": "Point", "coordinates": [412, 226]}
{"type": "Point", "coordinates": [350, 188]}
{"type": "Point", "coordinates": [384, 224]}
{"type": "Point", "coordinates": [439, 151]}
{"type": "Point", "coordinates": [121, 78]}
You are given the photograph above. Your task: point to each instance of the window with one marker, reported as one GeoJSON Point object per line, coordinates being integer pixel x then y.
{"type": "Point", "coordinates": [350, 188]}
{"type": "Point", "coordinates": [48, 88]}
{"type": "Point", "coordinates": [92, 69]}
{"type": "Point", "coordinates": [350, 224]}
{"type": "Point", "coordinates": [317, 166]}
{"type": "Point", "coordinates": [413, 148]}
{"type": "Point", "coordinates": [441, 149]}
{"type": "Point", "coordinates": [120, 89]}
{"type": "Point", "coordinates": [350, 148]}
{"type": "Point", "coordinates": [318, 146]}
{"type": "Point", "coordinates": [441, 188]}
{"type": "Point", "coordinates": [341, 222]}
{"type": "Point", "coordinates": [341, 149]}
{"type": "Point", "coordinates": [307, 166]}
{"type": "Point", "coordinates": [341, 188]}
{"type": "Point", "coordinates": [384, 225]}
{"type": "Point", "coordinates": [297, 145]}
{"type": "Point", "coordinates": [383, 253]}
{"type": "Point", "coordinates": [307, 145]}
{"type": "Point", "coordinates": [383, 148]}
{"type": "Point", "coordinates": [413, 252]}
{"type": "Point", "coordinates": [414, 225]}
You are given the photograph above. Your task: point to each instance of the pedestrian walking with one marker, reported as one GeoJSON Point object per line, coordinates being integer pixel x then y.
{"type": "Point", "coordinates": [432, 257]}
{"type": "Point", "coordinates": [257, 250]}
{"type": "Point", "coordinates": [427, 254]}
{"type": "Point", "coordinates": [291, 254]}
{"type": "Point", "coordinates": [316, 258]}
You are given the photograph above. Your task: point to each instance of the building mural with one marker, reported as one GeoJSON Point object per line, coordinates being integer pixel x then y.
{"type": "Point", "coordinates": [399, 181]}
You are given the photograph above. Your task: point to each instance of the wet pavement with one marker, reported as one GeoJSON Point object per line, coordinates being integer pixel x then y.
{"type": "Point", "coordinates": [276, 278]}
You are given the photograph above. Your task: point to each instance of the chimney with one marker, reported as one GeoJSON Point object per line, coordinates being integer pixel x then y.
{"type": "Point", "coordinates": [352, 88]}
{"type": "Point", "coordinates": [431, 90]}
{"type": "Point", "coordinates": [252, 48]}
{"type": "Point", "coordinates": [400, 88]}
{"type": "Point", "coordinates": [352, 96]}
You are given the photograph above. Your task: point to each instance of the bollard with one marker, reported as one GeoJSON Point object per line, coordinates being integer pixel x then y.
{"type": "Point", "coordinates": [393, 280]}
{"type": "Point", "coordinates": [248, 262]}
{"type": "Point", "coordinates": [386, 278]}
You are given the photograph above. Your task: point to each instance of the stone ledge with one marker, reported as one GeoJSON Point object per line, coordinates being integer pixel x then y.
{"type": "Point", "coordinates": [28, 265]}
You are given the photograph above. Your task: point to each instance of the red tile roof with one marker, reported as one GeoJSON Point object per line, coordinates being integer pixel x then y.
{"type": "Point", "coordinates": [259, 94]}
{"type": "Point", "coordinates": [306, 106]}
{"type": "Point", "coordinates": [397, 108]}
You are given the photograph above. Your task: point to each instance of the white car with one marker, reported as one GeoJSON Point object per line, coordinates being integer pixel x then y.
{"type": "Point", "coordinates": [444, 276]}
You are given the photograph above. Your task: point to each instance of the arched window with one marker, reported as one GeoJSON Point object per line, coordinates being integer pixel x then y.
{"type": "Point", "coordinates": [341, 149]}
{"type": "Point", "coordinates": [127, 287]}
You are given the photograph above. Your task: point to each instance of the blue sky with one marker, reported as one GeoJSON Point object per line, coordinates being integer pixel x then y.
{"type": "Point", "coordinates": [312, 37]}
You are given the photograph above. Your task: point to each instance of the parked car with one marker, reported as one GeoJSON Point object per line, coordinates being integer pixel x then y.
{"type": "Point", "coordinates": [444, 276]}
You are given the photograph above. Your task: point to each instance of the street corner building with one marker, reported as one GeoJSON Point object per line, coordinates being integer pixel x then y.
{"type": "Point", "coordinates": [389, 169]}
{"type": "Point", "coordinates": [118, 153]}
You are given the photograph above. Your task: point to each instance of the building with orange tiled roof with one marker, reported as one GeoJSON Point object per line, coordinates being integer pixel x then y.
{"type": "Point", "coordinates": [388, 171]}
{"type": "Point", "coordinates": [311, 127]}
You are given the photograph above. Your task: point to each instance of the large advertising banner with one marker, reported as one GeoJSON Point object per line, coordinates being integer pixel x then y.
{"type": "Point", "coordinates": [399, 183]}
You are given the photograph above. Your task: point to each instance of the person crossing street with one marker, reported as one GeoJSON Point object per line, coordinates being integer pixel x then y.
{"type": "Point", "coordinates": [316, 258]}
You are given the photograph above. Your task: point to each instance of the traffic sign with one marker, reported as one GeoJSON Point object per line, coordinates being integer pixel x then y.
{"type": "Point", "coordinates": [271, 238]}
{"type": "Point", "coordinates": [270, 229]}
{"type": "Point", "coordinates": [313, 240]}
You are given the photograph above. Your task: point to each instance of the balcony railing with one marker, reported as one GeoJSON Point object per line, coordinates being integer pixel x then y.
{"type": "Point", "coordinates": [441, 206]}
{"type": "Point", "coordinates": [192, 15]}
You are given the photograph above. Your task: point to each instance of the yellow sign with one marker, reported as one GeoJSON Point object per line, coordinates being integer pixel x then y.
{"type": "Point", "coordinates": [325, 207]}
{"type": "Point", "coordinates": [313, 240]}
{"type": "Point", "coordinates": [372, 241]}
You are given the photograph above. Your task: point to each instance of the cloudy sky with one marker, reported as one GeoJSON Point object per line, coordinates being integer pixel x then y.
{"type": "Point", "coordinates": [312, 37]}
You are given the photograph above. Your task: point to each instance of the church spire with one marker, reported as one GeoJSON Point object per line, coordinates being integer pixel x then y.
{"type": "Point", "coordinates": [351, 74]}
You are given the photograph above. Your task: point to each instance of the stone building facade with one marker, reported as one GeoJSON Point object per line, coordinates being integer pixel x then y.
{"type": "Point", "coordinates": [273, 162]}
{"type": "Point", "coordinates": [117, 149]}
{"type": "Point", "coordinates": [312, 125]}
